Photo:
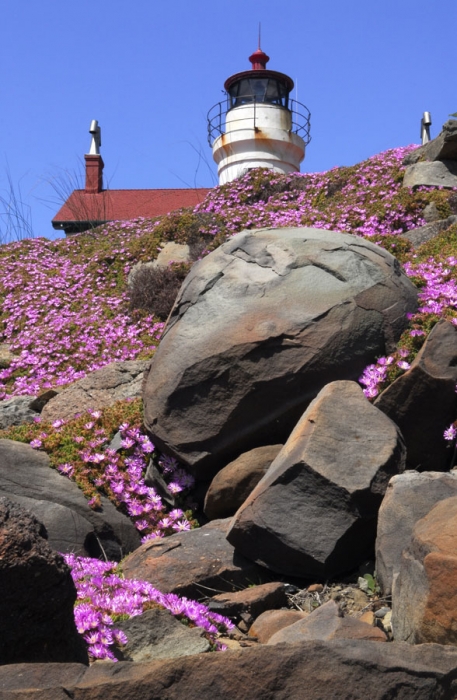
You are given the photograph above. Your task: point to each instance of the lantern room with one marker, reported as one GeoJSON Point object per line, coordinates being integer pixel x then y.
{"type": "Point", "coordinates": [258, 125]}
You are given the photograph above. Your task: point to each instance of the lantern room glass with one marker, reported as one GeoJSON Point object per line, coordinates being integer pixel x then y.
{"type": "Point", "coordinates": [263, 90]}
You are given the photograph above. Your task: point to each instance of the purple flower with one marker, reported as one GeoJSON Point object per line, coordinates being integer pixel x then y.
{"type": "Point", "coordinates": [450, 433]}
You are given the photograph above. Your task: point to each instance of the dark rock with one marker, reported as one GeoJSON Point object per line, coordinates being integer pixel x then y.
{"type": "Point", "coordinates": [314, 512]}
{"type": "Point", "coordinates": [26, 477]}
{"type": "Point", "coordinates": [233, 484]}
{"type": "Point", "coordinates": [443, 147]}
{"type": "Point", "coordinates": [253, 600]}
{"type": "Point", "coordinates": [105, 386]}
{"type": "Point", "coordinates": [423, 401]}
{"type": "Point", "coordinates": [315, 670]}
{"type": "Point", "coordinates": [156, 634]}
{"type": "Point", "coordinates": [259, 327]}
{"type": "Point", "coordinates": [37, 594]}
{"type": "Point", "coordinates": [436, 174]}
{"type": "Point", "coordinates": [194, 563]}
{"type": "Point", "coordinates": [409, 497]}
{"type": "Point", "coordinates": [40, 681]}
{"type": "Point", "coordinates": [153, 478]}
{"type": "Point", "coordinates": [42, 399]}
{"type": "Point", "coordinates": [326, 623]}
{"type": "Point", "coordinates": [16, 411]}
{"type": "Point", "coordinates": [424, 597]}
{"type": "Point", "coordinates": [418, 236]}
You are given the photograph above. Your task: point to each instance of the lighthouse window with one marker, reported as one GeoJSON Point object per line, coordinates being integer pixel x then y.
{"type": "Point", "coordinates": [264, 90]}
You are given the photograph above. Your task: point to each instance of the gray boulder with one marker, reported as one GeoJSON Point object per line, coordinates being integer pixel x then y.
{"type": "Point", "coordinates": [259, 327]}
{"type": "Point", "coordinates": [443, 147]}
{"type": "Point", "coordinates": [105, 386]}
{"type": "Point", "coordinates": [423, 401]}
{"type": "Point", "coordinates": [16, 411]}
{"type": "Point", "coordinates": [436, 174]}
{"type": "Point", "coordinates": [170, 253]}
{"type": "Point", "coordinates": [156, 634]}
{"type": "Point", "coordinates": [314, 512]}
{"type": "Point", "coordinates": [26, 477]}
{"type": "Point", "coordinates": [37, 594]}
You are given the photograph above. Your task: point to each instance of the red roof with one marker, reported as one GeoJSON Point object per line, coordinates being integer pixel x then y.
{"type": "Point", "coordinates": [113, 205]}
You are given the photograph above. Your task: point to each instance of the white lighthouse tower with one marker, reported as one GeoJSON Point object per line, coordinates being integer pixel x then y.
{"type": "Point", "coordinates": [258, 125]}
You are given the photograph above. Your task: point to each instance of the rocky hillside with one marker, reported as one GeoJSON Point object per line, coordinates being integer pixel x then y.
{"type": "Point", "coordinates": [71, 307]}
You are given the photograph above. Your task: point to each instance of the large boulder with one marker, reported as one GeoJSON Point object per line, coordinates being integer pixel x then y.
{"type": "Point", "coordinates": [409, 497]}
{"type": "Point", "coordinates": [259, 327]}
{"type": "Point", "coordinates": [424, 598]}
{"type": "Point", "coordinates": [314, 512]}
{"type": "Point", "coordinates": [37, 594]}
{"type": "Point", "coordinates": [27, 478]}
{"type": "Point", "coordinates": [103, 387]}
{"type": "Point", "coordinates": [423, 401]}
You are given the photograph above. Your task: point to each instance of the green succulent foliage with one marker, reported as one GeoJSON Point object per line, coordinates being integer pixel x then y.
{"type": "Point", "coordinates": [373, 588]}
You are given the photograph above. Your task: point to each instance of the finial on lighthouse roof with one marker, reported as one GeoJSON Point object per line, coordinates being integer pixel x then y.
{"type": "Point", "coordinates": [259, 59]}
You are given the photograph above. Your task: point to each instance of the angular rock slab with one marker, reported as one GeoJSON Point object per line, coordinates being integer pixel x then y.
{"type": "Point", "coordinates": [301, 671]}
{"type": "Point", "coordinates": [424, 597]}
{"type": "Point", "coordinates": [423, 401]}
{"type": "Point", "coordinates": [314, 512]}
{"type": "Point", "coordinates": [194, 564]}
{"type": "Point", "coordinates": [409, 497]}
{"type": "Point", "coordinates": [325, 623]}
{"type": "Point", "coordinates": [423, 234]}
{"type": "Point", "coordinates": [259, 327]}
{"type": "Point", "coordinates": [37, 594]}
{"type": "Point", "coordinates": [443, 147]}
{"type": "Point", "coordinates": [72, 526]}
{"type": "Point", "coordinates": [103, 387]}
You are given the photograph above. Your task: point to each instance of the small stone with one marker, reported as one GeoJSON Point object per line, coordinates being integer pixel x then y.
{"type": "Point", "coordinates": [368, 617]}
{"type": "Point", "coordinates": [382, 612]}
{"type": "Point", "coordinates": [315, 588]}
{"type": "Point", "coordinates": [387, 622]}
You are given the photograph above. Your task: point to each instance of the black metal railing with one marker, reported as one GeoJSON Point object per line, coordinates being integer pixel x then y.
{"type": "Point", "coordinates": [301, 119]}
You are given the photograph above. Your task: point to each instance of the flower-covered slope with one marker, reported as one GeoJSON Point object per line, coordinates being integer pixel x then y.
{"type": "Point", "coordinates": [64, 304]}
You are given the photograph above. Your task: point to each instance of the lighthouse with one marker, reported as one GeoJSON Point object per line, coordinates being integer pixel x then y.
{"type": "Point", "coordinates": [258, 125]}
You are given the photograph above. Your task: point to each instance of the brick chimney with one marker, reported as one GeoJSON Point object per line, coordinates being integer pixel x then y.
{"type": "Point", "coordinates": [94, 173]}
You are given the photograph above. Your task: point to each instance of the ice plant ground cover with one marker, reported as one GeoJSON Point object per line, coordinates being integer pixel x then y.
{"type": "Point", "coordinates": [105, 597]}
{"type": "Point", "coordinates": [64, 312]}
{"type": "Point", "coordinates": [82, 451]}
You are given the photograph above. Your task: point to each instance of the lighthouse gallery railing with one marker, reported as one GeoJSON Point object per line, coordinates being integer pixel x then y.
{"type": "Point", "coordinates": [301, 119]}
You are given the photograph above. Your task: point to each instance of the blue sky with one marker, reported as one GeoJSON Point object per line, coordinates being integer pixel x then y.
{"type": "Point", "coordinates": [149, 71]}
